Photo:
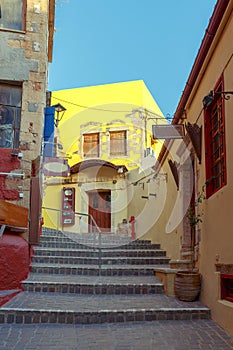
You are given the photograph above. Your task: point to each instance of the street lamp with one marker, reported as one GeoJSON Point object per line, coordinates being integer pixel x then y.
{"type": "Point", "coordinates": [207, 100]}
{"type": "Point", "coordinates": [60, 110]}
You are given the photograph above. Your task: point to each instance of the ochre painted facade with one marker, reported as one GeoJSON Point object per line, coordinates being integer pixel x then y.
{"type": "Point", "coordinates": [204, 164]}
{"type": "Point", "coordinates": [103, 110]}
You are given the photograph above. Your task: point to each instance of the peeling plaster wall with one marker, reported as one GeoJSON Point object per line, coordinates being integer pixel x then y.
{"type": "Point", "coordinates": [14, 65]}
{"type": "Point", "coordinates": [24, 61]}
{"type": "Point", "coordinates": [14, 261]}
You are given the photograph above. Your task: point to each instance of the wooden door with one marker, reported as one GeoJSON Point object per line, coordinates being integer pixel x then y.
{"type": "Point", "coordinates": [100, 209]}
{"type": "Point", "coordinates": [35, 211]}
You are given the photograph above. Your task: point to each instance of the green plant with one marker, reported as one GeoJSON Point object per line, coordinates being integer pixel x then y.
{"type": "Point", "coordinates": [194, 217]}
{"type": "Point", "coordinates": [192, 214]}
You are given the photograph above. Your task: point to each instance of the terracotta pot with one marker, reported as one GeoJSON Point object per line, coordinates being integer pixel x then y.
{"type": "Point", "coordinates": [187, 285]}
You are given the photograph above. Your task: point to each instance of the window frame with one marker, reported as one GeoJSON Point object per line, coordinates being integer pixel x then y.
{"type": "Point", "coordinates": [88, 151]}
{"type": "Point", "coordinates": [14, 110]}
{"type": "Point", "coordinates": [23, 19]}
{"type": "Point", "coordinates": [119, 152]}
{"type": "Point", "coordinates": [215, 143]}
{"type": "Point", "coordinates": [227, 287]}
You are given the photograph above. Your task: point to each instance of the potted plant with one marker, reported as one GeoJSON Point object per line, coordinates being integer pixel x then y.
{"type": "Point", "coordinates": [188, 282]}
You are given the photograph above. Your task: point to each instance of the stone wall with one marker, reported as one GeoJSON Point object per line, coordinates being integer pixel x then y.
{"type": "Point", "coordinates": [24, 61]}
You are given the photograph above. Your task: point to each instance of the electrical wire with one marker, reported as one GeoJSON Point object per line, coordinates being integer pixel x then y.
{"type": "Point", "coordinates": [94, 108]}
{"type": "Point", "coordinates": [110, 110]}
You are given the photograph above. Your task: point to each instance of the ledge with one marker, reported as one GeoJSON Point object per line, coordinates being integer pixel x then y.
{"type": "Point", "coordinates": [226, 303]}
{"type": "Point", "coordinates": [224, 268]}
{"type": "Point", "coordinates": [166, 270]}
{"type": "Point", "coordinates": [166, 276]}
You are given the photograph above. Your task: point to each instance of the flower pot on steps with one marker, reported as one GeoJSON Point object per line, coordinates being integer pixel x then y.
{"type": "Point", "coordinates": [187, 285]}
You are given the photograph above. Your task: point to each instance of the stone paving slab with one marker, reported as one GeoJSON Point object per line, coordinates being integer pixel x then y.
{"type": "Point", "coordinates": [4, 293]}
{"type": "Point", "coordinates": [162, 335]}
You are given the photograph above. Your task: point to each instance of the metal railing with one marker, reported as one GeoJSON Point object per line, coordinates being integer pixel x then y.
{"type": "Point", "coordinates": [91, 228]}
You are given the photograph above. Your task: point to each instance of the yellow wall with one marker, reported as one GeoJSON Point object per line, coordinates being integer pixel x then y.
{"type": "Point", "coordinates": [215, 232]}
{"type": "Point", "coordinates": [101, 109]}
{"type": "Point", "coordinates": [107, 103]}
{"type": "Point", "coordinates": [217, 238]}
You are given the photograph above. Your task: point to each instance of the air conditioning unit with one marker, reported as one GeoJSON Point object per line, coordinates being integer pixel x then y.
{"type": "Point", "coordinates": [149, 152]}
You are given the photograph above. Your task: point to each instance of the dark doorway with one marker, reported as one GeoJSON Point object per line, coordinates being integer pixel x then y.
{"type": "Point", "coordinates": [100, 209]}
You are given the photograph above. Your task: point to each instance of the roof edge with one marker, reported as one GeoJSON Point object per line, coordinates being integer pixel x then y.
{"type": "Point", "coordinates": [214, 22]}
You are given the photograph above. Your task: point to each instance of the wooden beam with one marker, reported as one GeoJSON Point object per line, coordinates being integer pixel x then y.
{"type": "Point", "coordinates": [13, 215]}
{"type": "Point", "coordinates": [195, 134]}
{"type": "Point", "coordinates": [174, 170]}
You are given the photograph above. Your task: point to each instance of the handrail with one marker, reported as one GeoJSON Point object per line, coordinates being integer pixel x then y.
{"type": "Point", "coordinates": [96, 227]}
{"type": "Point", "coordinates": [78, 213]}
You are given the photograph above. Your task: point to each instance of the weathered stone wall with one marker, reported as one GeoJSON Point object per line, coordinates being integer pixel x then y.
{"type": "Point", "coordinates": [23, 59]}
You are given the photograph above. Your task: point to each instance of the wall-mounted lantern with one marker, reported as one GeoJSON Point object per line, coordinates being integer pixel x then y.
{"type": "Point", "coordinates": [59, 113]}
{"type": "Point", "coordinates": [208, 99]}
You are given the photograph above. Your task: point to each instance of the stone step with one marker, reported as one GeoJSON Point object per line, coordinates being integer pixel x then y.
{"type": "Point", "coordinates": [108, 260]}
{"type": "Point", "coordinates": [94, 270]}
{"type": "Point", "coordinates": [110, 239]}
{"type": "Point", "coordinates": [89, 237]}
{"type": "Point", "coordinates": [43, 251]}
{"type": "Point", "coordinates": [92, 285]}
{"type": "Point", "coordinates": [55, 308]}
{"type": "Point", "coordinates": [95, 243]}
{"type": "Point", "coordinates": [76, 245]}
{"type": "Point", "coordinates": [51, 238]}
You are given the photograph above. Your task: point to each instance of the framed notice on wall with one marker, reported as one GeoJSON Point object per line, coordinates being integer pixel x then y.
{"type": "Point", "coordinates": [68, 206]}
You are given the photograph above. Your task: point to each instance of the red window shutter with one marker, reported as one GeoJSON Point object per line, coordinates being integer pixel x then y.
{"type": "Point", "coordinates": [215, 145]}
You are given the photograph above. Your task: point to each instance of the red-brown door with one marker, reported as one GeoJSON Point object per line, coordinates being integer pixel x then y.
{"type": "Point", "coordinates": [100, 209]}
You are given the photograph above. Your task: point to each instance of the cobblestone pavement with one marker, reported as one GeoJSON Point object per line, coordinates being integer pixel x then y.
{"type": "Point", "coordinates": [162, 335]}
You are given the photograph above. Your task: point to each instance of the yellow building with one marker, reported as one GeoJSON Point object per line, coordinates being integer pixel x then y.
{"type": "Point", "coordinates": [105, 134]}
{"type": "Point", "coordinates": [199, 171]}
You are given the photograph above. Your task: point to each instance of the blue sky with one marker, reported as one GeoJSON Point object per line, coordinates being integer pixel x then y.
{"type": "Point", "coordinates": [108, 41]}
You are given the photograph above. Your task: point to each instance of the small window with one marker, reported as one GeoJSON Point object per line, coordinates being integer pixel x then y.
{"type": "Point", "coordinates": [227, 287]}
{"type": "Point", "coordinates": [91, 145]}
{"type": "Point", "coordinates": [215, 144]}
{"type": "Point", "coordinates": [118, 143]}
{"type": "Point", "coordinates": [10, 115]}
{"type": "Point", "coordinates": [12, 14]}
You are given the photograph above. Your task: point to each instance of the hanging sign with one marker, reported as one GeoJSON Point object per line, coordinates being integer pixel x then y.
{"type": "Point", "coordinates": [171, 131]}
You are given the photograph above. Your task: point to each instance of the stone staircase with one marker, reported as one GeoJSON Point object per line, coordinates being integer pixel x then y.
{"type": "Point", "coordinates": [73, 281]}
